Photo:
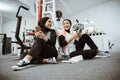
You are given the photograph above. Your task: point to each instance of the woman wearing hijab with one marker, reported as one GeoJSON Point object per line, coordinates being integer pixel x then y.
{"type": "Point", "coordinates": [43, 49]}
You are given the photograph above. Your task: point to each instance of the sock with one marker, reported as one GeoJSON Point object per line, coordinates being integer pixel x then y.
{"type": "Point", "coordinates": [47, 60]}
{"type": "Point", "coordinates": [26, 60]}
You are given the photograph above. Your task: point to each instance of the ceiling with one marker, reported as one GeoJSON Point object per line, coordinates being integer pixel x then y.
{"type": "Point", "coordinates": [68, 7]}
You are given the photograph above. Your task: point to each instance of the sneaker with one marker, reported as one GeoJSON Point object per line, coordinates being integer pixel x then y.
{"type": "Point", "coordinates": [103, 54]}
{"type": "Point", "coordinates": [22, 63]}
{"type": "Point", "coordinates": [51, 60]}
{"type": "Point", "coordinates": [74, 59]}
{"type": "Point", "coordinates": [16, 68]}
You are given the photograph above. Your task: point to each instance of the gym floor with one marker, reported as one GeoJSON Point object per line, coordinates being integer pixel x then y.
{"type": "Point", "coordinates": [95, 69]}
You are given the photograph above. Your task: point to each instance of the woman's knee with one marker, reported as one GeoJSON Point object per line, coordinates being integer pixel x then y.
{"type": "Point", "coordinates": [89, 54]}
{"type": "Point", "coordinates": [85, 35]}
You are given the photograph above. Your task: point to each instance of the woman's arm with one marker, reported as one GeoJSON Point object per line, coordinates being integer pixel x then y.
{"type": "Point", "coordinates": [41, 35]}
{"type": "Point", "coordinates": [63, 42]}
{"type": "Point", "coordinates": [52, 40]}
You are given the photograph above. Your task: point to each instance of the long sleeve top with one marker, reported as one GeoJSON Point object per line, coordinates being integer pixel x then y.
{"type": "Point", "coordinates": [68, 48]}
{"type": "Point", "coordinates": [51, 35]}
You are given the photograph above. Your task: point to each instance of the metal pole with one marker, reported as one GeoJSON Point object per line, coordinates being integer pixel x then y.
{"type": "Point", "coordinates": [39, 10]}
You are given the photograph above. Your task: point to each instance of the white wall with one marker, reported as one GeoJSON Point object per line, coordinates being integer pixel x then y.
{"type": "Point", "coordinates": [106, 17]}
{"type": "Point", "coordinates": [0, 22]}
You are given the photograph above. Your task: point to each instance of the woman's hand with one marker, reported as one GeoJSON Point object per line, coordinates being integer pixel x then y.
{"type": "Point", "coordinates": [37, 34]}
{"type": "Point", "coordinates": [41, 35]}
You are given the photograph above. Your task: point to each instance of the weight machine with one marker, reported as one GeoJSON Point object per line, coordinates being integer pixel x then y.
{"type": "Point", "coordinates": [23, 47]}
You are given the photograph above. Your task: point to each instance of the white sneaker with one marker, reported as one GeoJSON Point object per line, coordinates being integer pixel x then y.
{"type": "Point", "coordinates": [74, 59]}
{"type": "Point", "coordinates": [51, 60]}
{"type": "Point", "coordinates": [22, 63]}
{"type": "Point", "coordinates": [104, 55]}
{"type": "Point", "coordinates": [16, 68]}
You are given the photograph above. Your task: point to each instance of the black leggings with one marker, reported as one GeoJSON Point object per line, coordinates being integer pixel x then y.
{"type": "Point", "coordinates": [41, 50]}
{"type": "Point", "coordinates": [87, 54]}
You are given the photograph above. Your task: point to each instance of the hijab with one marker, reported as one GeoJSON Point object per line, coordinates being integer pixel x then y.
{"type": "Point", "coordinates": [42, 22]}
